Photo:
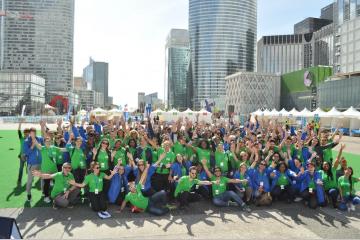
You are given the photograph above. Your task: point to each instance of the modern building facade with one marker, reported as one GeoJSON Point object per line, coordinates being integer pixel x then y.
{"type": "Point", "coordinates": [327, 12]}
{"type": "Point", "coordinates": [90, 99]}
{"type": "Point", "coordinates": [150, 99]}
{"type": "Point", "coordinates": [79, 83]}
{"type": "Point", "coordinates": [323, 46]}
{"type": "Point", "coordinates": [37, 37]}
{"type": "Point", "coordinates": [177, 69]}
{"type": "Point", "coordinates": [18, 89]}
{"type": "Point", "coordinates": [96, 77]}
{"type": "Point", "coordinates": [300, 89]}
{"type": "Point", "coordinates": [340, 93]}
{"type": "Point", "coordinates": [248, 91]}
{"type": "Point", "coordinates": [310, 25]}
{"type": "Point", "coordinates": [281, 53]}
{"type": "Point", "coordinates": [222, 42]}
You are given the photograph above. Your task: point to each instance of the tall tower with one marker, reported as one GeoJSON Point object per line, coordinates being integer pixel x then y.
{"type": "Point", "coordinates": [177, 69]}
{"type": "Point", "coordinates": [222, 42]}
{"type": "Point", "coordinates": [37, 37]}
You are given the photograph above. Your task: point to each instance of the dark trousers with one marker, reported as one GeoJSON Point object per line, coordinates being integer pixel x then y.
{"type": "Point", "coordinates": [98, 201]}
{"type": "Point", "coordinates": [157, 204]}
{"type": "Point", "coordinates": [203, 191]}
{"type": "Point", "coordinates": [287, 193]}
{"type": "Point", "coordinates": [149, 192]}
{"type": "Point", "coordinates": [333, 193]}
{"type": "Point", "coordinates": [186, 197]}
{"type": "Point", "coordinates": [161, 182]}
{"type": "Point", "coordinates": [310, 198]}
{"type": "Point", "coordinates": [46, 187]}
{"type": "Point", "coordinates": [120, 198]}
{"type": "Point", "coordinates": [79, 175]}
{"type": "Point", "coordinates": [22, 159]}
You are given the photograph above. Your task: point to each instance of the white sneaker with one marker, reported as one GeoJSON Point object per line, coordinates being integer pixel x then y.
{"type": "Point", "coordinates": [298, 199]}
{"type": "Point", "coordinates": [101, 215]}
{"type": "Point", "coordinates": [106, 214]}
{"type": "Point", "coordinates": [352, 207]}
{"type": "Point", "coordinates": [47, 200]}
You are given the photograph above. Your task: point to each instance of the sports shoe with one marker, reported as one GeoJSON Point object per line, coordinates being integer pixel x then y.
{"type": "Point", "coordinates": [246, 208]}
{"type": "Point", "coordinates": [47, 200]}
{"type": "Point", "coordinates": [352, 207]}
{"type": "Point", "coordinates": [298, 199]}
{"type": "Point", "coordinates": [101, 215]}
{"type": "Point", "coordinates": [106, 214]}
{"type": "Point", "coordinates": [234, 204]}
{"type": "Point", "coordinates": [171, 206]}
{"type": "Point", "coordinates": [29, 197]}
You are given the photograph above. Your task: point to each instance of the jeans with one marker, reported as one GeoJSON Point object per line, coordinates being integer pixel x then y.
{"type": "Point", "coordinates": [352, 199]}
{"type": "Point", "coordinates": [186, 197]}
{"type": "Point", "coordinates": [157, 204]}
{"type": "Point", "coordinates": [333, 193]}
{"type": "Point", "coordinates": [310, 197]}
{"type": "Point", "coordinates": [283, 194]}
{"type": "Point", "coordinates": [223, 199]}
{"type": "Point", "coordinates": [30, 177]}
{"type": "Point", "coordinates": [98, 201]}
{"type": "Point", "coordinates": [60, 201]}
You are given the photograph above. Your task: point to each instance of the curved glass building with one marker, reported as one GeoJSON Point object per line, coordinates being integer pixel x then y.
{"type": "Point", "coordinates": [222, 42]}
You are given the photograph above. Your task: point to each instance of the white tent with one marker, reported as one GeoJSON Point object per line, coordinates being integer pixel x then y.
{"type": "Point", "coordinates": [158, 112]}
{"type": "Point", "coordinates": [354, 117]}
{"type": "Point", "coordinates": [266, 113]}
{"type": "Point", "coordinates": [294, 113]}
{"type": "Point", "coordinates": [274, 113]}
{"type": "Point", "coordinates": [188, 113]}
{"type": "Point", "coordinates": [333, 113]}
{"type": "Point", "coordinates": [205, 116]}
{"type": "Point", "coordinates": [99, 112]}
{"type": "Point", "coordinates": [319, 112]}
{"type": "Point", "coordinates": [283, 113]}
{"type": "Point", "coordinates": [257, 113]}
{"type": "Point", "coordinates": [305, 113]}
{"type": "Point", "coordinates": [172, 115]}
{"type": "Point", "coordinates": [82, 112]}
{"type": "Point", "coordinates": [351, 112]}
{"type": "Point", "coordinates": [115, 112]}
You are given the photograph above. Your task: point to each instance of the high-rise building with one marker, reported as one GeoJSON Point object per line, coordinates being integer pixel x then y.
{"type": "Point", "coordinates": [79, 83]}
{"type": "Point", "coordinates": [96, 77]}
{"type": "Point", "coordinates": [177, 58]}
{"type": "Point", "coordinates": [310, 25]}
{"type": "Point", "coordinates": [222, 42]}
{"type": "Point", "coordinates": [328, 12]}
{"type": "Point", "coordinates": [37, 37]}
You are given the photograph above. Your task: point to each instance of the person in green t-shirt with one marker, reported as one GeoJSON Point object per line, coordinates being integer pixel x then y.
{"type": "Point", "coordinates": [221, 196]}
{"type": "Point", "coordinates": [21, 155]}
{"type": "Point", "coordinates": [156, 204]}
{"type": "Point", "coordinates": [118, 154]}
{"type": "Point", "coordinates": [347, 191]}
{"type": "Point", "coordinates": [63, 194]}
{"type": "Point", "coordinates": [222, 159]}
{"type": "Point", "coordinates": [77, 158]}
{"type": "Point", "coordinates": [183, 189]}
{"type": "Point", "coordinates": [96, 194]}
{"type": "Point", "coordinates": [161, 178]}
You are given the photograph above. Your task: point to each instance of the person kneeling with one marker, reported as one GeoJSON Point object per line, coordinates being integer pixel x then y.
{"type": "Point", "coordinates": [63, 193]}
{"type": "Point", "coordinates": [96, 193]}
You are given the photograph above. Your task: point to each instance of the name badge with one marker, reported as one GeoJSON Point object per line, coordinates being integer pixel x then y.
{"type": "Point", "coordinates": [294, 182]}
{"type": "Point", "coordinates": [197, 186]}
{"type": "Point", "coordinates": [96, 191]}
{"type": "Point", "coordinates": [102, 165]}
{"type": "Point", "coordinates": [310, 190]}
{"type": "Point", "coordinates": [122, 189]}
{"type": "Point", "coordinates": [65, 190]}
{"type": "Point", "coordinates": [261, 184]}
{"type": "Point", "coordinates": [221, 164]}
{"type": "Point", "coordinates": [282, 187]}
{"type": "Point", "coordinates": [217, 192]}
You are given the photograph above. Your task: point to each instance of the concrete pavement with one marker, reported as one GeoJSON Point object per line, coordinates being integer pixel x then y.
{"type": "Point", "coordinates": [280, 221]}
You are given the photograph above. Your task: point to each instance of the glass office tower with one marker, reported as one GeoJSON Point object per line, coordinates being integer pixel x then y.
{"type": "Point", "coordinates": [177, 69]}
{"type": "Point", "coordinates": [222, 42]}
{"type": "Point", "coordinates": [37, 37]}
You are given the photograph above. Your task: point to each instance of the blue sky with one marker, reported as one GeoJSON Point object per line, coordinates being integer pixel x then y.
{"type": "Point", "coordinates": [130, 35]}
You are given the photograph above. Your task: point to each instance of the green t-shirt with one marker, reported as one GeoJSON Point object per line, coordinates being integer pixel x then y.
{"type": "Point", "coordinates": [48, 160]}
{"type": "Point", "coordinates": [222, 161]}
{"type": "Point", "coordinates": [103, 159]}
{"type": "Point", "coordinates": [77, 157]}
{"type": "Point", "coordinates": [219, 188]}
{"type": "Point", "coordinates": [61, 183]}
{"type": "Point", "coordinates": [59, 157]}
{"type": "Point", "coordinates": [292, 149]}
{"type": "Point", "coordinates": [178, 148]}
{"type": "Point", "coordinates": [344, 184]}
{"type": "Point", "coordinates": [169, 158]}
{"type": "Point", "coordinates": [120, 155]}
{"type": "Point", "coordinates": [282, 180]}
{"type": "Point", "coordinates": [95, 182]}
{"type": "Point", "coordinates": [137, 199]}
{"type": "Point", "coordinates": [312, 184]}
{"type": "Point", "coordinates": [204, 154]}
{"type": "Point", "coordinates": [185, 185]}
{"type": "Point", "coordinates": [327, 181]}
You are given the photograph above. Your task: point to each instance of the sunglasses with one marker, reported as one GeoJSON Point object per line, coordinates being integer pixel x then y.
{"type": "Point", "coordinates": [67, 167]}
{"type": "Point", "coordinates": [106, 143]}
{"type": "Point", "coordinates": [140, 165]}
{"type": "Point", "coordinates": [97, 168]}
{"type": "Point", "coordinates": [262, 164]}
{"type": "Point", "coordinates": [193, 173]}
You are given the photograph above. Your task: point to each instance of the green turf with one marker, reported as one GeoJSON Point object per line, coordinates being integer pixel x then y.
{"type": "Point", "coordinates": [12, 196]}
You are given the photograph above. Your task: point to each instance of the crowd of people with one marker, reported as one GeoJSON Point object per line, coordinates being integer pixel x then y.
{"type": "Point", "coordinates": [155, 166]}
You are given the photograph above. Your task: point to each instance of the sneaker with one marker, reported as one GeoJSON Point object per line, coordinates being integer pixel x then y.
{"type": "Point", "coordinates": [70, 206]}
{"type": "Point", "coordinates": [101, 215]}
{"type": "Point", "coordinates": [47, 200]}
{"type": "Point", "coordinates": [246, 208]}
{"type": "Point", "coordinates": [352, 207]}
{"type": "Point", "coordinates": [171, 206]}
{"type": "Point", "coordinates": [234, 204]}
{"type": "Point", "coordinates": [106, 214]}
{"type": "Point", "coordinates": [298, 199]}
{"type": "Point", "coordinates": [29, 197]}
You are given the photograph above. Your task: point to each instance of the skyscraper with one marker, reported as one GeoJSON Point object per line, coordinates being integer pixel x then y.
{"type": "Point", "coordinates": [223, 41]}
{"type": "Point", "coordinates": [37, 37]}
{"type": "Point", "coordinates": [177, 69]}
{"type": "Point", "coordinates": [96, 77]}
